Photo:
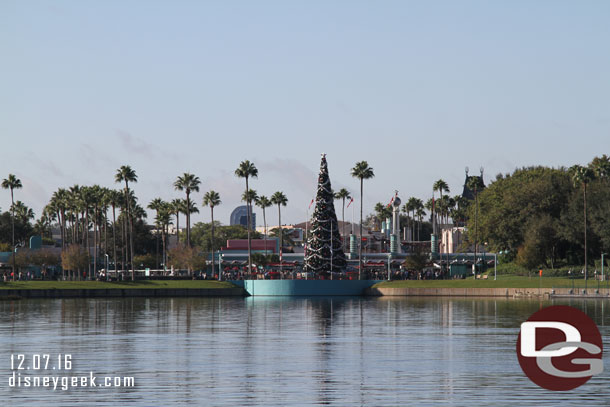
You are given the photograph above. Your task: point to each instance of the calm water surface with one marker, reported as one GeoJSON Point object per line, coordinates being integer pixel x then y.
{"type": "Point", "coordinates": [287, 351]}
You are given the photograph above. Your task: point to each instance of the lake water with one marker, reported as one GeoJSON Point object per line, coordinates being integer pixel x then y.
{"type": "Point", "coordinates": [286, 351]}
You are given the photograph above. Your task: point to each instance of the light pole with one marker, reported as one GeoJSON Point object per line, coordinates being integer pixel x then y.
{"type": "Point", "coordinates": [495, 266]}
{"type": "Point", "coordinates": [107, 261]}
{"type": "Point", "coordinates": [389, 266]}
{"type": "Point", "coordinates": [220, 256]}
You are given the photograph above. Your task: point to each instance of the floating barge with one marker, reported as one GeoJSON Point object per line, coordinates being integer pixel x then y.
{"type": "Point", "coordinates": [306, 287]}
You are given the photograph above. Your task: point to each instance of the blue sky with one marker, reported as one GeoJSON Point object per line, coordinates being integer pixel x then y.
{"type": "Point", "coordinates": [419, 89]}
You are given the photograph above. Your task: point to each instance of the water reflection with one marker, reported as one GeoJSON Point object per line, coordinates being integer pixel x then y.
{"type": "Point", "coordinates": [289, 351]}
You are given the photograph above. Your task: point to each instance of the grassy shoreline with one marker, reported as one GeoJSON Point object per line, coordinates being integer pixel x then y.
{"type": "Point", "coordinates": [91, 285]}
{"type": "Point", "coordinates": [502, 281]}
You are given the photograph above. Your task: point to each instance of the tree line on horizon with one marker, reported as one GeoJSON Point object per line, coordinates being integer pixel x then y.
{"type": "Point", "coordinates": [534, 216]}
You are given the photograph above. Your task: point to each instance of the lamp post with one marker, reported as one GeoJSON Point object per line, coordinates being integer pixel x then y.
{"type": "Point", "coordinates": [107, 261]}
{"type": "Point", "coordinates": [495, 266]}
{"type": "Point", "coordinates": [389, 265]}
{"type": "Point", "coordinates": [220, 256]}
{"type": "Point", "coordinates": [596, 279]}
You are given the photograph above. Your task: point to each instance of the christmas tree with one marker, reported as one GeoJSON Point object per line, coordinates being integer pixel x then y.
{"type": "Point", "coordinates": [324, 248]}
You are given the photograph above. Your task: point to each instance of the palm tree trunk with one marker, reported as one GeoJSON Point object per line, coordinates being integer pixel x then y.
{"type": "Point", "coordinates": [212, 243]}
{"type": "Point", "coordinates": [178, 227]}
{"type": "Point", "coordinates": [130, 221]}
{"type": "Point", "coordinates": [61, 230]}
{"type": "Point", "coordinates": [114, 237]}
{"type": "Point", "coordinates": [13, 231]}
{"type": "Point", "coordinates": [105, 234]}
{"type": "Point", "coordinates": [342, 221]}
{"type": "Point", "coordinates": [133, 270]}
{"type": "Point", "coordinates": [125, 244]}
{"type": "Point", "coordinates": [279, 212]}
{"type": "Point", "coordinates": [585, 212]}
{"type": "Point", "coordinates": [279, 220]}
{"type": "Point", "coordinates": [249, 226]}
{"type": "Point", "coordinates": [157, 235]}
{"type": "Point", "coordinates": [265, 223]}
{"type": "Point", "coordinates": [360, 245]}
{"type": "Point", "coordinates": [94, 241]}
{"type": "Point", "coordinates": [188, 219]}
{"type": "Point", "coordinates": [163, 241]}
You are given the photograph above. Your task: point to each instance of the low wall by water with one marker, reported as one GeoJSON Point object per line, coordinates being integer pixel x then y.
{"type": "Point", "coordinates": [485, 292]}
{"type": "Point", "coordinates": [124, 292]}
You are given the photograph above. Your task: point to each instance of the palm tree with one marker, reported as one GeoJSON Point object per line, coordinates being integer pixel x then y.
{"type": "Point", "coordinates": [343, 194]}
{"type": "Point", "coordinates": [212, 199]}
{"type": "Point", "coordinates": [178, 207]}
{"type": "Point", "coordinates": [361, 171]}
{"type": "Point", "coordinates": [583, 176]}
{"type": "Point", "coordinates": [113, 198]}
{"type": "Point", "coordinates": [420, 213]}
{"type": "Point", "coordinates": [247, 170]}
{"type": "Point", "coordinates": [473, 184]}
{"type": "Point", "coordinates": [441, 186]}
{"type": "Point", "coordinates": [12, 183]}
{"type": "Point", "coordinates": [95, 196]}
{"type": "Point", "coordinates": [163, 219]}
{"type": "Point", "coordinates": [22, 212]}
{"type": "Point", "coordinates": [192, 207]}
{"type": "Point", "coordinates": [59, 204]}
{"type": "Point", "coordinates": [127, 174]}
{"type": "Point", "coordinates": [263, 202]}
{"type": "Point", "coordinates": [43, 223]}
{"type": "Point", "coordinates": [104, 206]}
{"type": "Point", "coordinates": [188, 183]}
{"type": "Point", "coordinates": [411, 207]}
{"type": "Point", "coordinates": [378, 208]}
{"type": "Point", "coordinates": [279, 199]}
{"type": "Point", "coordinates": [156, 205]}
{"type": "Point", "coordinates": [86, 199]}
{"type": "Point", "coordinates": [249, 196]}
{"type": "Point", "coordinates": [74, 203]}
{"type": "Point", "coordinates": [601, 167]}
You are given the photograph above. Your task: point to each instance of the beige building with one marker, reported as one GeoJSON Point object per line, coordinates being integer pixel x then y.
{"type": "Point", "coordinates": [451, 239]}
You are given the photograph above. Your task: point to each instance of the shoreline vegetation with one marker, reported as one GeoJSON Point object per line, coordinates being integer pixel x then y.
{"type": "Point", "coordinates": [557, 219]}
{"type": "Point", "coordinates": [502, 281]}
{"type": "Point", "coordinates": [138, 284]}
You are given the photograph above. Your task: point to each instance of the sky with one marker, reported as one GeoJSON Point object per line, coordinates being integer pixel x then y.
{"type": "Point", "coordinates": [419, 89]}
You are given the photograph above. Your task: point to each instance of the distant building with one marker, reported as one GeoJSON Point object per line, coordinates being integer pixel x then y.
{"type": "Point", "coordinates": [239, 216]}
{"type": "Point", "coordinates": [451, 239]}
{"type": "Point", "coordinates": [269, 246]}
{"type": "Point", "coordinates": [467, 192]}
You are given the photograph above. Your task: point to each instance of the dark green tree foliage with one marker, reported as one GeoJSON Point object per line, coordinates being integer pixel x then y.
{"type": "Point", "coordinates": [537, 214]}
{"type": "Point", "coordinates": [598, 224]}
{"type": "Point", "coordinates": [507, 205]}
{"type": "Point", "coordinates": [23, 229]}
{"type": "Point", "coordinates": [323, 226]}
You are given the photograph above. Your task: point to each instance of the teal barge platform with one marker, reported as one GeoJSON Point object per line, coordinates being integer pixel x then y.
{"type": "Point", "coordinates": [306, 287]}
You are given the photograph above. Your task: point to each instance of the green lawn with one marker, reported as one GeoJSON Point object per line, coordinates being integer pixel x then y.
{"type": "Point", "coordinates": [46, 285]}
{"type": "Point", "coordinates": [503, 281]}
